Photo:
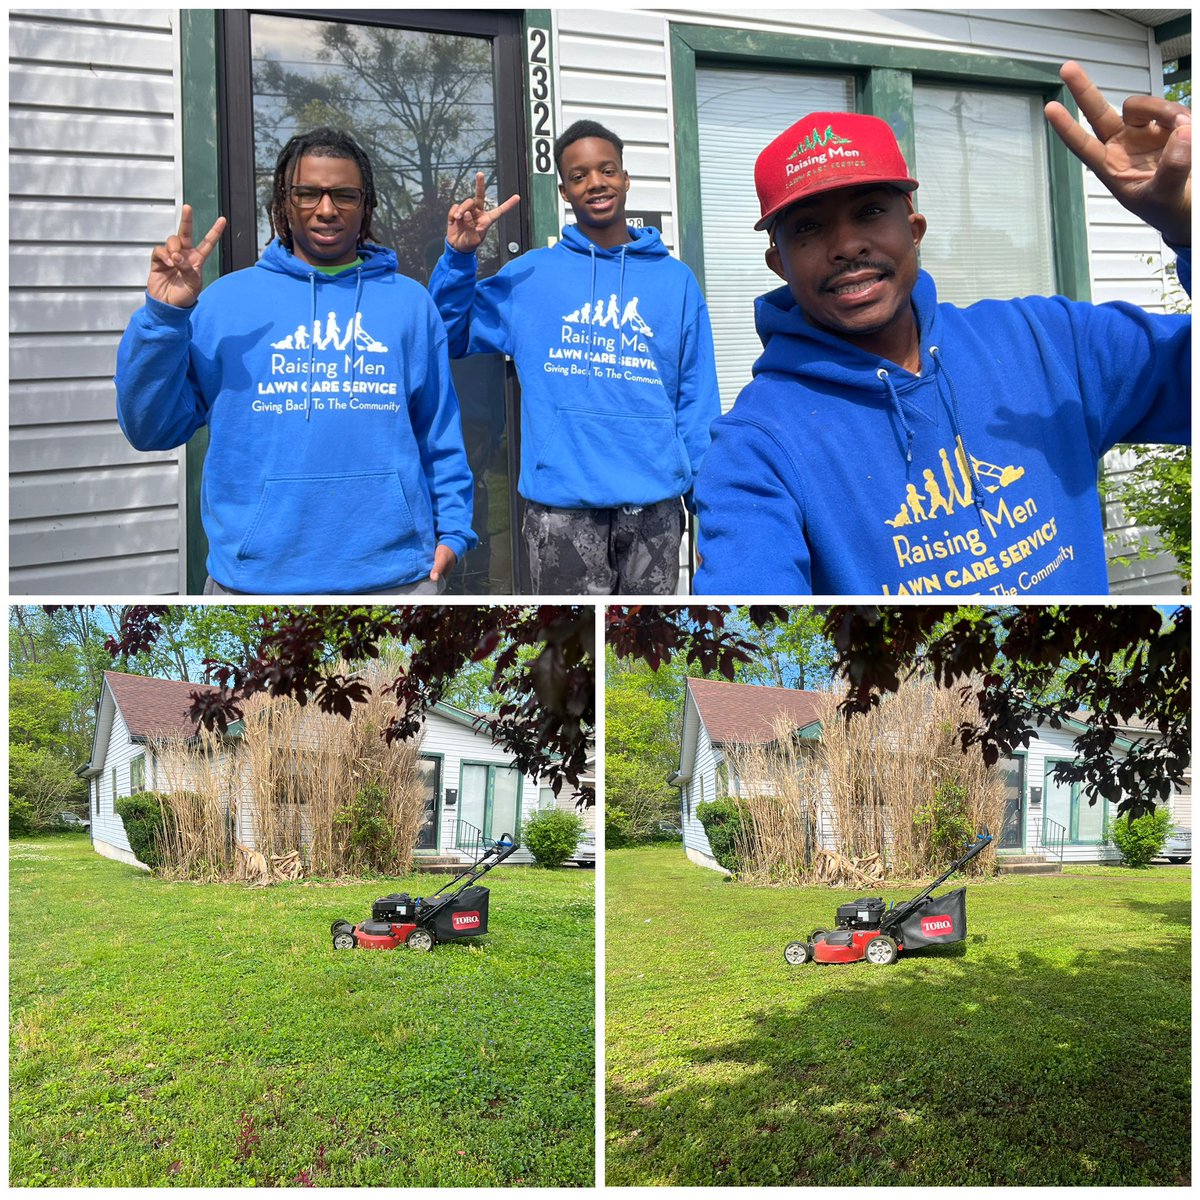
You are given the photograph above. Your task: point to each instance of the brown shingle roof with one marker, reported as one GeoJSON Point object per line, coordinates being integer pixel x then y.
{"type": "Point", "coordinates": [742, 712]}
{"type": "Point", "coordinates": [155, 707]}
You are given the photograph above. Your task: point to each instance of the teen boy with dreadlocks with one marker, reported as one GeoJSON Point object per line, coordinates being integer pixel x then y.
{"type": "Point", "coordinates": [335, 462]}
{"type": "Point", "coordinates": [614, 351]}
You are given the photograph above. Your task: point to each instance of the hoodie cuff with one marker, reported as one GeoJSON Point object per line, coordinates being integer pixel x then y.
{"type": "Point", "coordinates": [454, 542]}
{"type": "Point", "coordinates": [168, 314]}
{"type": "Point", "coordinates": [461, 258]}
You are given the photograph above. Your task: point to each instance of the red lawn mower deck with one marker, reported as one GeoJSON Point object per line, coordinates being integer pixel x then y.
{"type": "Point", "coordinates": [869, 929]}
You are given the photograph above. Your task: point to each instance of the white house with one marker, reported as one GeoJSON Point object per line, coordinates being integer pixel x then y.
{"type": "Point", "coordinates": [1044, 818]}
{"type": "Point", "coordinates": [469, 782]}
{"type": "Point", "coordinates": [116, 116]}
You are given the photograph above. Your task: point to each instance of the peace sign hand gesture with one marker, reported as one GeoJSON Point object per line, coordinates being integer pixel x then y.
{"type": "Point", "coordinates": [175, 267]}
{"type": "Point", "coordinates": [469, 220]}
{"type": "Point", "coordinates": [1143, 154]}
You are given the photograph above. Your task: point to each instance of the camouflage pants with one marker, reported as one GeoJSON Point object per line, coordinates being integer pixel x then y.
{"type": "Point", "coordinates": [627, 551]}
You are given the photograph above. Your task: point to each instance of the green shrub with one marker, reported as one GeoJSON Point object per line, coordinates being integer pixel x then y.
{"type": "Point", "coordinates": [21, 817]}
{"type": "Point", "coordinates": [367, 823]}
{"type": "Point", "coordinates": [551, 836]}
{"type": "Point", "coordinates": [947, 823]}
{"type": "Point", "coordinates": [618, 829]}
{"type": "Point", "coordinates": [145, 818]}
{"type": "Point", "coordinates": [1139, 841]}
{"type": "Point", "coordinates": [722, 821]}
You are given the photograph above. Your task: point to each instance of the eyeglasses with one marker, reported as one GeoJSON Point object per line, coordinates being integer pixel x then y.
{"type": "Point", "coordinates": [304, 197]}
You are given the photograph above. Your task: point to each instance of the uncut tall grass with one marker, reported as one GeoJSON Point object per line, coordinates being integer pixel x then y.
{"type": "Point", "coordinates": [860, 792]}
{"type": "Point", "coordinates": [285, 787]}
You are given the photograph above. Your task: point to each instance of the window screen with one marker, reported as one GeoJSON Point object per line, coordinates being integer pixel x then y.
{"type": "Point", "coordinates": [982, 163]}
{"type": "Point", "coordinates": [739, 112]}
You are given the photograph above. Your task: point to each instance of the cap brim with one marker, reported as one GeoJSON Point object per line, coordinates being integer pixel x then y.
{"type": "Point", "coordinates": [904, 185]}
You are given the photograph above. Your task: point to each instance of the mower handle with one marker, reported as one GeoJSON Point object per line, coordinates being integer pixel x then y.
{"type": "Point", "coordinates": [982, 840]}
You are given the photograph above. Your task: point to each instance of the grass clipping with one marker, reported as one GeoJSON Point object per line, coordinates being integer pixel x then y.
{"type": "Point", "coordinates": [299, 793]}
{"type": "Point", "coordinates": [888, 795]}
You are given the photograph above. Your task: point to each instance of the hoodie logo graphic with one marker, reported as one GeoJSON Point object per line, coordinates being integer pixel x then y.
{"type": "Point", "coordinates": [931, 502]}
{"type": "Point", "coordinates": [610, 315]}
{"type": "Point", "coordinates": [963, 531]}
{"type": "Point", "coordinates": [331, 337]}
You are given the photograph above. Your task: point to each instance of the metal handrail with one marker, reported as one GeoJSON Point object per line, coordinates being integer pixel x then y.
{"type": "Point", "coordinates": [1051, 840]}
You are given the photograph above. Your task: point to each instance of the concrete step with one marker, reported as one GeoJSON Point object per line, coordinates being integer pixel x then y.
{"type": "Point", "coordinates": [1040, 867]}
{"type": "Point", "coordinates": [438, 864]}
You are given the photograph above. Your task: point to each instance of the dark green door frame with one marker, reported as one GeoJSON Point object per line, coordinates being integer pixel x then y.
{"type": "Point", "coordinates": [201, 189]}
{"type": "Point", "coordinates": [883, 87]}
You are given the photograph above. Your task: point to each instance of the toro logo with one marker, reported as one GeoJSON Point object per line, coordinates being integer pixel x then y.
{"type": "Point", "coordinates": [466, 920]}
{"type": "Point", "coordinates": [936, 926]}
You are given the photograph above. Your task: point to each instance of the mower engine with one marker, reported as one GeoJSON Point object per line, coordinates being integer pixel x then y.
{"type": "Point", "coordinates": [861, 914]}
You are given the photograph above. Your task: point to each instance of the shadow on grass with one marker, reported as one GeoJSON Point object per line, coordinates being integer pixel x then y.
{"type": "Point", "coordinates": [1073, 1068]}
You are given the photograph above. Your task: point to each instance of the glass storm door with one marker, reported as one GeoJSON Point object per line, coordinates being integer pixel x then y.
{"type": "Point", "coordinates": [431, 781]}
{"type": "Point", "coordinates": [490, 800]}
{"type": "Point", "coordinates": [1012, 832]}
{"type": "Point", "coordinates": [433, 97]}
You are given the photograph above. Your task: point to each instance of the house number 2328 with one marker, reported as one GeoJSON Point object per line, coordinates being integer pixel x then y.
{"type": "Point", "coordinates": [541, 101]}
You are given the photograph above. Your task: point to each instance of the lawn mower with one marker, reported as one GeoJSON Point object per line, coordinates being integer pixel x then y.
{"type": "Point", "coordinates": [866, 929]}
{"type": "Point", "coordinates": [458, 909]}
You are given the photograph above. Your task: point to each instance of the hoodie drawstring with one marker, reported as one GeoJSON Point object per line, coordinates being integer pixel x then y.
{"type": "Point", "coordinates": [899, 410]}
{"type": "Point", "coordinates": [594, 312]}
{"type": "Point", "coordinates": [351, 341]}
{"type": "Point", "coordinates": [935, 354]}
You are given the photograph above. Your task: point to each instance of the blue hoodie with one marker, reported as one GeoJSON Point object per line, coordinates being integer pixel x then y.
{"type": "Point", "coordinates": [347, 489]}
{"type": "Point", "coordinates": [615, 357]}
{"type": "Point", "coordinates": [840, 473]}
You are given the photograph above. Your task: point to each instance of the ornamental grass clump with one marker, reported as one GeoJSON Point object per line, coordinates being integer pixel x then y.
{"type": "Point", "coordinates": [295, 782]}
{"type": "Point", "coordinates": [888, 794]}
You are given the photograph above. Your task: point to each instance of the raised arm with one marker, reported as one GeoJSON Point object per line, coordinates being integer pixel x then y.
{"type": "Point", "coordinates": [1142, 154]}
{"type": "Point", "coordinates": [468, 220]}
{"type": "Point", "coordinates": [176, 267]}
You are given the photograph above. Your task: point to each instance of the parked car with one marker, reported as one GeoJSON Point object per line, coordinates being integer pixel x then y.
{"type": "Point", "coordinates": [585, 851]}
{"type": "Point", "coordinates": [1178, 847]}
{"type": "Point", "coordinates": [72, 821]}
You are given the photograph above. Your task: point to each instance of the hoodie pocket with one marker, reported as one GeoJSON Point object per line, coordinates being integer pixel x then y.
{"type": "Point", "coordinates": [608, 458]}
{"type": "Point", "coordinates": [340, 531]}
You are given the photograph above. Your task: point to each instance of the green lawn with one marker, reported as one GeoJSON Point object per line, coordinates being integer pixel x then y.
{"type": "Point", "coordinates": [185, 1034]}
{"type": "Point", "coordinates": [1052, 1047]}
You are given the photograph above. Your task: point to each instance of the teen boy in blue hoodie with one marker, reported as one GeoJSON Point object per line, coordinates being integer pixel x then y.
{"type": "Point", "coordinates": [613, 349]}
{"type": "Point", "coordinates": [336, 460]}
{"type": "Point", "coordinates": [891, 444]}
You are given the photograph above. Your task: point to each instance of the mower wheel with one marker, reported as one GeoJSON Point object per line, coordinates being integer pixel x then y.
{"type": "Point", "coordinates": [344, 939]}
{"type": "Point", "coordinates": [882, 951]}
{"type": "Point", "coordinates": [797, 953]}
{"type": "Point", "coordinates": [816, 933]}
{"type": "Point", "coordinates": [420, 939]}
{"type": "Point", "coordinates": [339, 925]}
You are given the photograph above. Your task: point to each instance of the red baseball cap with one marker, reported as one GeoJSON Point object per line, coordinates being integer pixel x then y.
{"type": "Point", "coordinates": [824, 151]}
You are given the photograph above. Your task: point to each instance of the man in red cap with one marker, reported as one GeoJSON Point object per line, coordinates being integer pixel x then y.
{"type": "Point", "coordinates": [893, 445]}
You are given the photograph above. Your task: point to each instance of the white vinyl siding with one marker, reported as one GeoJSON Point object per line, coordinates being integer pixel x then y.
{"type": "Point", "coordinates": [93, 184]}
